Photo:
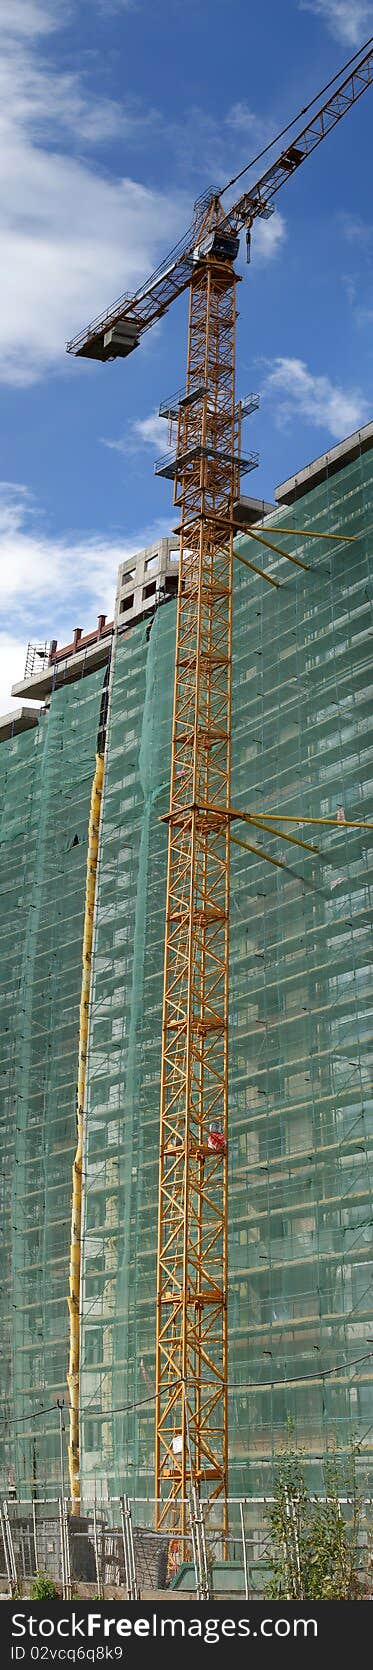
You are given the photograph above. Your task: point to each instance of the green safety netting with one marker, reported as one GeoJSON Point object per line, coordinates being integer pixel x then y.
{"type": "Point", "coordinates": [45, 788]}
{"type": "Point", "coordinates": [123, 1072]}
{"type": "Point", "coordinates": [300, 1152]}
{"type": "Point", "coordinates": [300, 1217]}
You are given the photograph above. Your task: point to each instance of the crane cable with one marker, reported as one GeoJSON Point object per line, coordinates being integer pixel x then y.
{"type": "Point", "coordinates": [231, 1386]}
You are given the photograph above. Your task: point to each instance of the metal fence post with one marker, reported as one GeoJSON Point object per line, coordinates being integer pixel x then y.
{"type": "Point", "coordinates": [97, 1562]}
{"type": "Point", "coordinates": [63, 1551]}
{"type": "Point", "coordinates": [6, 1552]}
{"type": "Point", "coordinates": [136, 1591]}
{"type": "Point", "coordinates": [194, 1548]}
{"type": "Point", "coordinates": [203, 1582]}
{"type": "Point", "coordinates": [8, 1534]}
{"type": "Point", "coordinates": [244, 1550]}
{"type": "Point", "coordinates": [206, 1595]}
{"type": "Point", "coordinates": [67, 1548]}
{"type": "Point", "coordinates": [35, 1535]}
{"type": "Point", "coordinates": [125, 1547]}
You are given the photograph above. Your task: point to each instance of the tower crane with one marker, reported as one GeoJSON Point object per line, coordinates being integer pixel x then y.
{"type": "Point", "coordinates": [192, 1276]}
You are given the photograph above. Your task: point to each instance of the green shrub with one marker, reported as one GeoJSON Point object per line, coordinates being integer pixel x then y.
{"type": "Point", "coordinates": [314, 1548]}
{"type": "Point", "coordinates": [43, 1588]}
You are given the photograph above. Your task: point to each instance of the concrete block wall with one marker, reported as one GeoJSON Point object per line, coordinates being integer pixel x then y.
{"type": "Point", "coordinates": [145, 579]}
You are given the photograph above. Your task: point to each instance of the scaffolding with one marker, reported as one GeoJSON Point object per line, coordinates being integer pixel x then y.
{"type": "Point", "coordinates": [46, 782]}
{"type": "Point", "coordinates": [300, 1317]}
{"type": "Point", "coordinates": [300, 1155]}
{"type": "Point", "coordinates": [191, 1441]}
{"type": "Point", "coordinates": [123, 1066]}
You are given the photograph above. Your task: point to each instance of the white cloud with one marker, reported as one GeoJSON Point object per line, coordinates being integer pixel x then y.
{"type": "Point", "coordinates": [28, 18]}
{"type": "Point", "coordinates": [118, 5]}
{"type": "Point", "coordinates": [39, 101]}
{"type": "Point", "coordinates": [347, 19]}
{"type": "Point", "coordinates": [241, 118]}
{"type": "Point", "coordinates": [357, 231]}
{"type": "Point", "coordinates": [70, 238]}
{"type": "Point", "coordinates": [298, 392]}
{"type": "Point", "coordinates": [268, 237]}
{"type": "Point", "coordinates": [48, 585]}
{"type": "Point", "coordinates": [206, 149]}
{"type": "Point", "coordinates": [44, 103]}
{"type": "Point", "coordinates": [121, 445]}
{"type": "Point", "coordinates": [149, 431]}
{"type": "Point", "coordinates": [56, 273]}
{"type": "Point", "coordinates": [37, 572]}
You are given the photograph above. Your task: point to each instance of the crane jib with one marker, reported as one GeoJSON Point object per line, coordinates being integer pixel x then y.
{"type": "Point", "coordinates": [154, 298]}
{"type": "Point", "coordinates": [253, 202]}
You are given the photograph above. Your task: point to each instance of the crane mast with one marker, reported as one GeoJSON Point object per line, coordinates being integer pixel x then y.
{"type": "Point", "coordinates": [191, 1383]}
{"type": "Point", "coordinates": [191, 1331]}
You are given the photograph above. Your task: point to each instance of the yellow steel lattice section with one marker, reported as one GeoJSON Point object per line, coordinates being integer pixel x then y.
{"type": "Point", "coordinates": [76, 1208]}
{"type": "Point", "coordinates": [191, 1429]}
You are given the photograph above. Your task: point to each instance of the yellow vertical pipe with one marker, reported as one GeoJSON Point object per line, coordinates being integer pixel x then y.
{"type": "Point", "coordinates": [76, 1210]}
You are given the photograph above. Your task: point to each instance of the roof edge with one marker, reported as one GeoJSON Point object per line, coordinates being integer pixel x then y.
{"type": "Point", "coordinates": [22, 719]}
{"type": "Point", "coordinates": [327, 464]}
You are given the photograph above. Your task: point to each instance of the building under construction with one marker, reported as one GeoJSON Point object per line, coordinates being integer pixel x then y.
{"type": "Point", "coordinates": [300, 1302]}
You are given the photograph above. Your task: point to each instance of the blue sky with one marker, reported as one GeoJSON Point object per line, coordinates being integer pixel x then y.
{"type": "Point", "coordinates": [115, 115]}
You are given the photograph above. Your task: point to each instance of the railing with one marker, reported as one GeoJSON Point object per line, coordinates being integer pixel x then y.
{"type": "Point", "coordinates": [249, 404]}
{"type": "Point", "coordinates": [183, 397]}
{"type": "Point", "coordinates": [171, 463]}
{"type": "Point", "coordinates": [37, 658]}
{"type": "Point", "coordinates": [169, 408]}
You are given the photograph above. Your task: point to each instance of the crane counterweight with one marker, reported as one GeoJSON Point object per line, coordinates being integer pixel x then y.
{"type": "Point", "coordinates": [219, 245]}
